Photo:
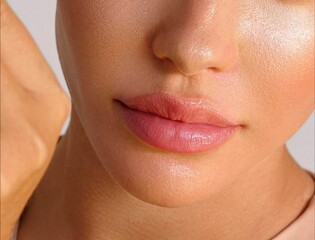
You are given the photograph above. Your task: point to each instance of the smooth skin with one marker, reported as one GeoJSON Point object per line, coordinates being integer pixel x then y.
{"type": "Point", "coordinates": [253, 59]}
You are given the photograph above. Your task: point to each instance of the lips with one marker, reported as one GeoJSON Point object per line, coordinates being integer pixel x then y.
{"type": "Point", "coordinates": [176, 124]}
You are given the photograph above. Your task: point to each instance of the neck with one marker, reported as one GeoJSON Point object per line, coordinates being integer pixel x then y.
{"type": "Point", "coordinates": [79, 200]}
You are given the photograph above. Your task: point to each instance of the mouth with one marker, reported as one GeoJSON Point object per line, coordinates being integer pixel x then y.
{"type": "Point", "coordinates": [176, 124]}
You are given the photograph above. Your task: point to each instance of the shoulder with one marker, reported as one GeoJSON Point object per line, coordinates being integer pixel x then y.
{"type": "Point", "coordinates": [303, 228]}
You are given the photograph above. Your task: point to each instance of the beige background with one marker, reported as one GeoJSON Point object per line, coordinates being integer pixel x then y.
{"type": "Point", "coordinates": [38, 16]}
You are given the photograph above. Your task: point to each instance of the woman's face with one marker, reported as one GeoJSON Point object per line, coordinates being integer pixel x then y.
{"type": "Point", "coordinates": [253, 60]}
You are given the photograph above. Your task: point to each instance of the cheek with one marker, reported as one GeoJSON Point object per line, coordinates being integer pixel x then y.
{"type": "Point", "coordinates": [277, 55]}
{"type": "Point", "coordinates": [102, 41]}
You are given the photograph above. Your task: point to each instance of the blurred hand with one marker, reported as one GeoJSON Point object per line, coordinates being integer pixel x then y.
{"type": "Point", "coordinates": [33, 110]}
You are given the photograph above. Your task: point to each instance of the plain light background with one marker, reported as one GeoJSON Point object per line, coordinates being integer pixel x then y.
{"type": "Point", "coordinates": [39, 17]}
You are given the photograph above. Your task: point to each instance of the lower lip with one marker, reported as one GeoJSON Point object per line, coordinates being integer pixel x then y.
{"type": "Point", "coordinates": [172, 135]}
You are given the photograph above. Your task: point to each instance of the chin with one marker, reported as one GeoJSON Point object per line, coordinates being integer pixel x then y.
{"type": "Point", "coordinates": [160, 179]}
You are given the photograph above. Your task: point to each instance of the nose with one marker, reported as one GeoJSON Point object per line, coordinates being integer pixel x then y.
{"type": "Point", "coordinates": [198, 37]}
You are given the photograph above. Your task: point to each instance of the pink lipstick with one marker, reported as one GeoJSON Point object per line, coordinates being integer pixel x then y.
{"type": "Point", "coordinates": [176, 124]}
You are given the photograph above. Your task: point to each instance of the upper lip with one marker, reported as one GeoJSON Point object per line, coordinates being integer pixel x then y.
{"type": "Point", "coordinates": [188, 110]}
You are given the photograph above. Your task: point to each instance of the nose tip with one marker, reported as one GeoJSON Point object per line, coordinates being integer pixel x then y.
{"type": "Point", "coordinates": [189, 60]}
{"type": "Point", "coordinates": [193, 56]}
{"type": "Point", "coordinates": [197, 43]}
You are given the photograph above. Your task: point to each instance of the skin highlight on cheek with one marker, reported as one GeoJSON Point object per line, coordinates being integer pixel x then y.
{"type": "Point", "coordinates": [281, 42]}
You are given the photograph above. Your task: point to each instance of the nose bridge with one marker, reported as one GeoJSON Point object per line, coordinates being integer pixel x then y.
{"type": "Point", "coordinates": [200, 36]}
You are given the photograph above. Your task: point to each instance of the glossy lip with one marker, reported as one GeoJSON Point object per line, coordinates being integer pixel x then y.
{"type": "Point", "coordinates": [177, 124]}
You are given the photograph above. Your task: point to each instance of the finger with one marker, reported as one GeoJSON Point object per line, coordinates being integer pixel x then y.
{"type": "Point", "coordinates": [21, 55]}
